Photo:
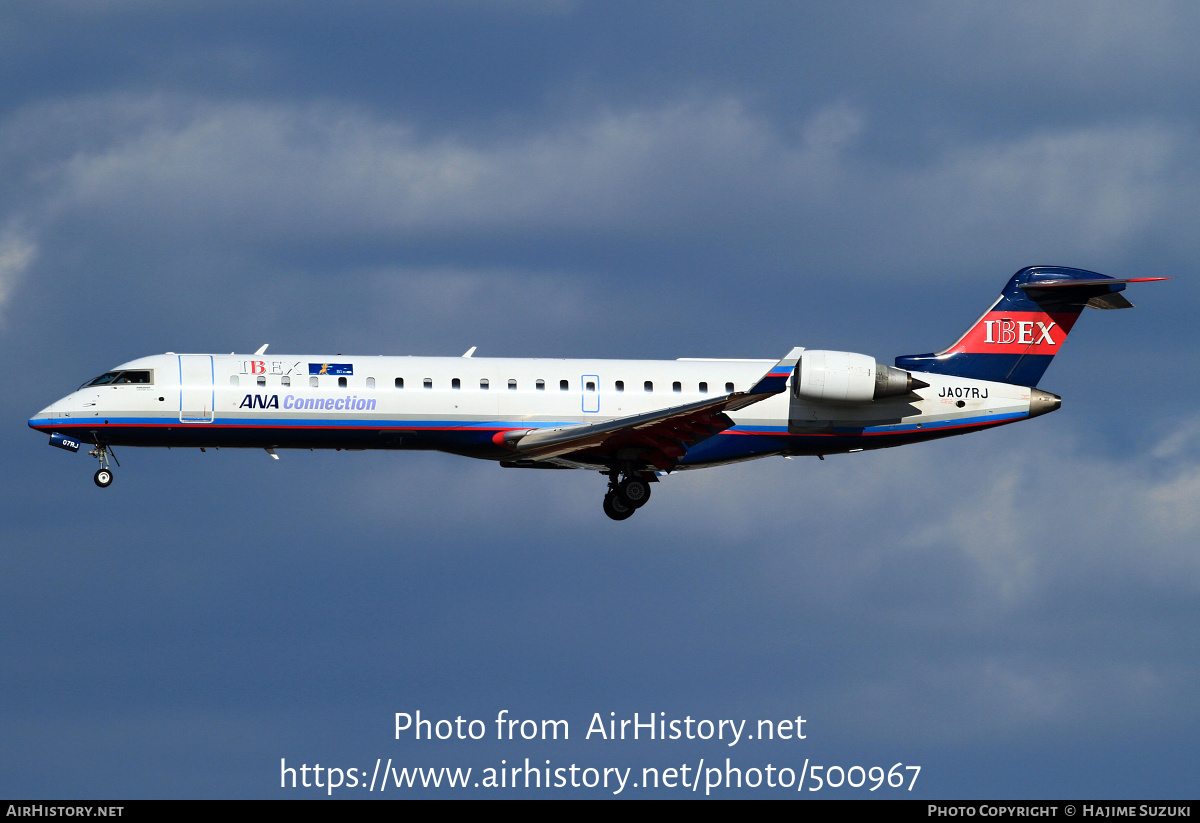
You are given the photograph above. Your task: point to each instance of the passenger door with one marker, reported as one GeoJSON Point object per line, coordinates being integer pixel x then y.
{"type": "Point", "coordinates": [196, 392]}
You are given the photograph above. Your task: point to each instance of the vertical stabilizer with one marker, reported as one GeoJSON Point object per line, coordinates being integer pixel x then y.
{"type": "Point", "coordinates": [1015, 340]}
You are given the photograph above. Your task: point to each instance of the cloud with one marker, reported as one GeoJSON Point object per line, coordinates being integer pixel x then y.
{"type": "Point", "coordinates": [964, 591]}
{"type": "Point", "coordinates": [17, 254]}
{"type": "Point", "coordinates": [195, 173]}
{"type": "Point", "coordinates": [1015, 531]}
{"type": "Point", "coordinates": [336, 171]}
{"type": "Point", "coordinates": [1096, 188]}
{"type": "Point", "coordinates": [1097, 47]}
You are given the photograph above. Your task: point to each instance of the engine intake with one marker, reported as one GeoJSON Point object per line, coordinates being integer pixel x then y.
{"type": "Point", "coordinates": [846, 377]}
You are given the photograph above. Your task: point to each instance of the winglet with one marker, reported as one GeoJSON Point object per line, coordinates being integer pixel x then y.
{"type": "Point", "coordinates": [775, 380]}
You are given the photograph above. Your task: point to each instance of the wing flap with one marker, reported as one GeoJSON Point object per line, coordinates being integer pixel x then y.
{"type": "Point", "coordinates": [547, 441]}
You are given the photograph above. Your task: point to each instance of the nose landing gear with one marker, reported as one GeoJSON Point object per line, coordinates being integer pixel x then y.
{"type": "Point", "coordinates": [625, 495]}
{"type": "Point", "coordinates": [103, 475]}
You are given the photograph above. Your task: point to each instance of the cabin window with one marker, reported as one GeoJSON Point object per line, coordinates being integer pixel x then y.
{"type": "Point", "coordinates": [456, 383]}
{"type": "Point", "coordinates": [285, 381]}
{"type": "Point", "coordinates": [620, 385]}
{"type": "Point", "coordinates": [512, 384]}
{"type": "Point", "coordinates": [649, 385]}
{"type": "Point", "coordinates": [399, 382]}
{"type": "Point", "coordinates": [233, 380]}
{"type": "Point", "coordinates": [370, 382]}
{"type": "Point", "coordinates": [563, 385]}
{"type": "Point", "coordinates": [262, 380]}
{"type": "Point", "coordinates": [312, 381]}
{"type": "Point", "coordinates": [677, 387]}
{"type": "Point", "coordinates": [540, 385]}
{"type": "Point", "coordinates": [703, 388]}
{"type": "Point", "coordinates": [728, 387]}
{"type": "Point", "coordinates": [591, 386]}
{"type": "Point", "coordinates": [483, 384]}
{"type": "Point", "coordinates": [428, 382]}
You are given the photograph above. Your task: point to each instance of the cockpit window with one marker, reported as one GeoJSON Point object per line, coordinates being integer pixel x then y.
{"type": "Point", "coordinates": [104, 379]}
{"type": "Point", "coordinates": [115, 377]}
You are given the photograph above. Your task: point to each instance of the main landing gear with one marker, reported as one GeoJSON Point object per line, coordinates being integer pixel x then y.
{"type": "Point", "coordinates": [104, 475]}
{"type": "Point", "coordinates": [625, 495]}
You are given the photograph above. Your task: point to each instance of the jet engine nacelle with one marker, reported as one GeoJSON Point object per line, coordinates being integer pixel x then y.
{"type": "Point", "coordinates": [846, 377]}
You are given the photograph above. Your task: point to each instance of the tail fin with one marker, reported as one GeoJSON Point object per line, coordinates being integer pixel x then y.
{"type": "Point", "coordinates": [1019, 335]}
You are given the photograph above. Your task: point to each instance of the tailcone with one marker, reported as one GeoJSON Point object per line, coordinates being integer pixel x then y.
{"type": "Point", "coordinates": [1042, 402]}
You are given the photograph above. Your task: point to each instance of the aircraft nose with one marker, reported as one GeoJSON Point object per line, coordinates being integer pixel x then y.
{"type": "Point", "coordinates": [43, 418]}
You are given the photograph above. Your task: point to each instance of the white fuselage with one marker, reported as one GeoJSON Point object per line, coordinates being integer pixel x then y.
{"type": "Point", "coordinates": [458, 404]}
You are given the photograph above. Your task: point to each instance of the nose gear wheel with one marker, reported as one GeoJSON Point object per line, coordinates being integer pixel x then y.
{"type": "Point", "coordinates": [103, 476]}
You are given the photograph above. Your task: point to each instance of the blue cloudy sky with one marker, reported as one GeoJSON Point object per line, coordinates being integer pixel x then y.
{"type": "Point", "coordinates": [1014, 611]}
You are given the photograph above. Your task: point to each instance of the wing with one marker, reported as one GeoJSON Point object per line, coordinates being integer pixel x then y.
{"type": "Point", "coordinates": [658, 438]}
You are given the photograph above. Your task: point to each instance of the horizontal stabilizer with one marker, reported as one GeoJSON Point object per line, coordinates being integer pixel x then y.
{"type": "Point", "coordinates": [1074, 284]}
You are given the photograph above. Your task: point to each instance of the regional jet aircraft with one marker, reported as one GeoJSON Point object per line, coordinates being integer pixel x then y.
{"type": "Point", "coordinates": [631, 420]}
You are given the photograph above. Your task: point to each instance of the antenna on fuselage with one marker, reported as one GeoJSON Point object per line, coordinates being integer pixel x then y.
{"type": "Point", "coordinates": [262, 349]}
{"type": "Point", "coordinates": [470, 351]}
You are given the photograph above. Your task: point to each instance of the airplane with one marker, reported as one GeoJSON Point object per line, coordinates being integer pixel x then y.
{"type": "Point", "coordinates": [631, 420]}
